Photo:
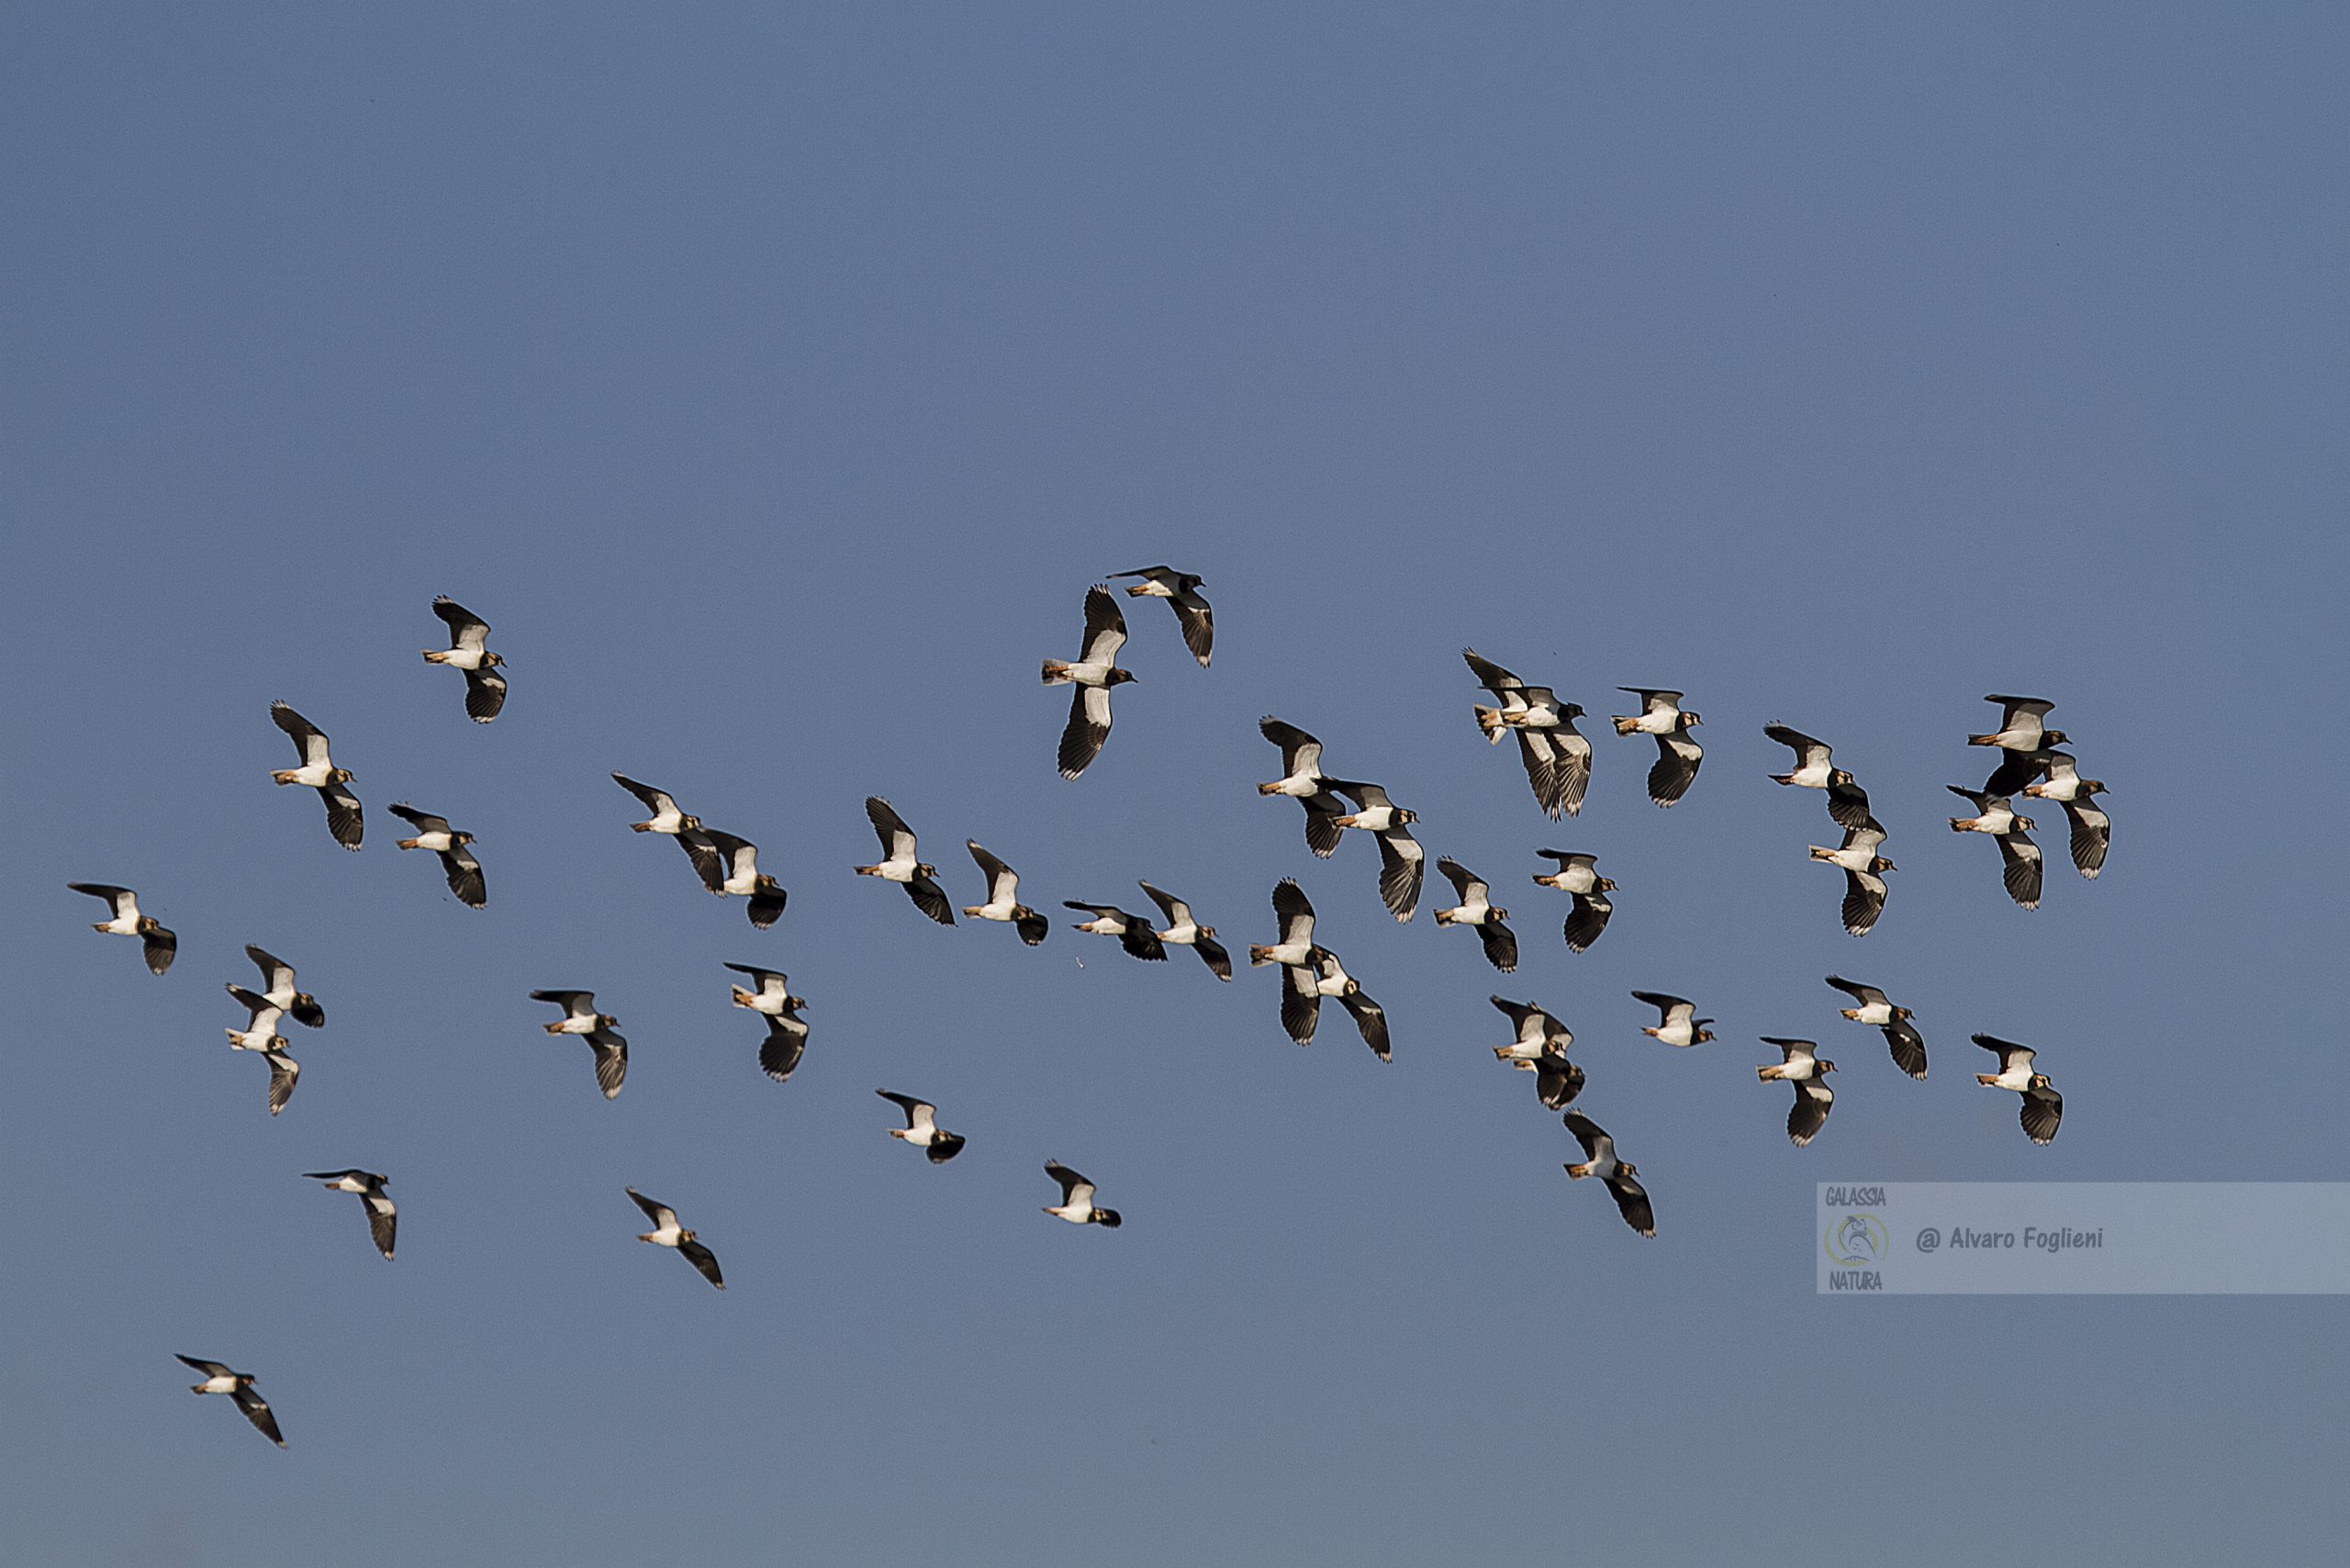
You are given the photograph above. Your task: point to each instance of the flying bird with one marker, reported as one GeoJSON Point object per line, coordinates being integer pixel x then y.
{"type": "Point", "coordinates": [900, 865]}
{"type": "Point", "coordinates": [278, 976]}
{"type": "Point", "coordinates": [2021, 725]}
{"type": "Point", "coordinates": [1599, 1160]}
{"type": "Point", "coordinates": [1094, 673]}
{"type": "Point", "coordinates": [457, 862]}
{"type": "Point", "coordinates": [737, 866]}
{"type": "Point", "coordinates": [1578, 875]}
{"type": "Point", "coordinates": [1538, 1033]}
{"type": "Point", "coordinates": [1677, 760]}
{"type": "Point", "coordinates": [2042, 1107]}
{"type": "Point", "coordinates": [1003, 898]}
{"type": "Point", "coordinates": [238, 1386]}
{"type": "Point", "coordinates": [1661, 713]}
{"type": "Point", "coordinates": [1477, 909]}
{"type": "Point", "coordinates": [1876, 1010]}
{"type": "Point", "coordinates": [382, 1218]}
{"type": "Point", "coordinates": [2019, 857]}
{"type": "Point", "coordinates": [2092, 831]}
{"type": "Point", "coordinates": [1864, 870]}
{"type": "Point", "coordinates": [786, 1035]}
{"type": "Point", "coordinates": [1812, 768]}
{"type": "Point", "coordinates": [1077, 1204]}
{"type": "Point", "coordinates": [581, 1017]}
{"type": "Point", "coordinates": [1184, 930]}
{"type": "Point", "coordinates": [283, 1072]}
{"type": "Point", "coordinates": [1848, 804]}
{"type": "Point", "coordinates": [260, 1033]}
{"type": "Point", "coordinates": [1132, 932]}
{"type": "Point", "coordinates": [1402, 862]}
{"type": "Point", "coordinates": [1181, 592]}
{"type": "Point", "coordinates": [485, 687]}
{"type": "Point", "coordinates": [1295, 914]}
{"type": "Point", "coordinates": [1806, 1071]}
{"type": "Point", "coordinates": [1557, 1081]}
{"type": "Point", "coordinates": [921, 1128]}
{"type": "Point", "coordinates": [666, 1232]}
{"type": "Point", "coordinates": [682, 826]}
{"type": "Point", "coordinates": [158, 945]}
{"type": "Point", "coordinates": [344, 818]}
{"type": "Point", "coordinates": [1680, 1025]}
{"type": "Point", "coordinates": [1303, 781]}
{"type": "Point", "coordinates": [1556, 755]}
{"type": "Point", "coordinates": [1370, 1020]}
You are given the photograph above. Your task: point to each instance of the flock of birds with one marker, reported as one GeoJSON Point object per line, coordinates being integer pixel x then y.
{"type": "Point", "coordinates": [1557, 760]}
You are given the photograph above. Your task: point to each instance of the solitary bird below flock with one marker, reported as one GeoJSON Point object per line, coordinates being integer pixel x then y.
{"type": "Point", "coordinates": [158, 945]}
{"type": "Point", "coordinates": [1181, 592]}
{"type": "Point", "coordinates": [2042, 1107]}
{"type": "Point", "coordinates": [238, 1386]}
{"type": "Point", "coordinates": [666, 1232]}
{"type": "Point", "coordinates": [1092, 672]}
{"type": "Point", "coordinates": [1599, 1160]}
{"type": "Point", "coordinates": [485, 687]}
{"type": "Point", "coordinates": [345, 820]}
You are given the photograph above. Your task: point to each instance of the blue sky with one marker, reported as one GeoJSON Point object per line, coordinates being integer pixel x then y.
{"type": "Point", "coordinates": [775, 382]}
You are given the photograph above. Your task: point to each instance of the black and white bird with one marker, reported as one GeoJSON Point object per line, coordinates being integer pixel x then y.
{"type": "Point", "coordinates": [1599, 1160]}
{"type": "Point", "coordinates": [1184, 930]}
{"type": "Point", "coordinates": [1661, 713]}
{"type": "Point", "coordinates": [382, 1218]}
{"type": "Point", "coordinates": [238, 1386]}
{"type": "Point", "coordinates": [1677, 760]}
{"type": "Point", "coordinates": [2042, 1107]}
{"type": "Point", "coordinates": [1477, 909]}
{"type": "Point", "coordinates": [1003, 898]}
{"type": "Point", "coordinates": [1402, 862]}
{"type": "Point", "coordinates": [1556, 755]}
{"type": "Point", "coordinates": [1680, 1025]}
{"type": "Point", "coordinates": [457, 862]}
{"type": "Point", "coordinates": [1181, 592]}
{"type": "Point", "coordinates": [598, 1029]}
{"type": "Point", "coordinates": [1557, 1081]}
{"type": "Point", "coordinates": [921, 1128]}
{"type": "Point", "coordinates": [1812, 766]}
{"type": "Point", "coordinates": [1864, 870]}
{"type": "Point", "coordinates": [1370, 1020]}
{"type": "Point", "coordinates": [2022, 725]}
{"type": "Point", "coordinates": [1848, 804]}
{"type": "Point", "coordinates": [344, 818]}
{"type": "Point", "coordinates": [1132, 932]}
{"type": "Point", "coordinates": [1302, 781]}
{"type": "Point", "coordinates": [277, 976]}
{"type": "Point", "coordinates": [260, 1033]}
{"type": "Point", "coordinates": [1577, 874]}
{"type": "Point", "coordinates": [683, 827]}
{"type": "Point", "coordinates": [1538, 1033]}
{"type": "Point", "coordinates": [737, 872]}
{"type": "Point", "coordinates": [2019, 863]}
{"type": "Point", "coordinates": [666, 1232]}
{"type": "Point", "coordinates": [1077, 1204]}
{"type": "Point", "coordinates": [1094, 673]}
{"type": "Point", "coordinates": [1294, 946]}
{"type": "Point", "coordinates": [786, 1035]}
{"type": "Point", "coordinates": [2092, 832]}
{"type": "Point", "coordinates": [158, 945]}
{"type": "Point", "coordinates": [284, 1071]}
{"type": "Point", "coordinates": [900, 865]}
{"type": "Point", "coordinates": [1806, 1070]}
{"type": "Point", "coordinates": [1878, 1011]}
{"type": "Point", "coordinates": [485, 687]}
{"type": "Point", "coordinates": [787, 1041]}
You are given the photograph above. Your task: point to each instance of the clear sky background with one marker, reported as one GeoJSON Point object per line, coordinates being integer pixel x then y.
{"type": "Point", "coordinates": [775, 381]}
